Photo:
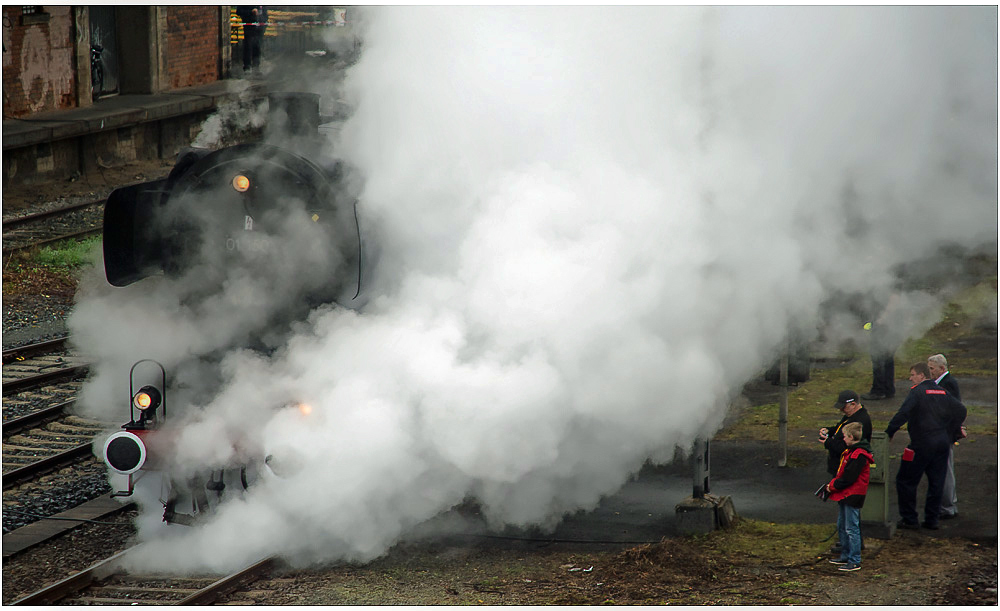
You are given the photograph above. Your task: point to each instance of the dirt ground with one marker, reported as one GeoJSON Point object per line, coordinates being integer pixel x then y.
{"type": "Point", "coordinates": [96, 184]}
{"type": "Point", "coordinates": [753, 563]}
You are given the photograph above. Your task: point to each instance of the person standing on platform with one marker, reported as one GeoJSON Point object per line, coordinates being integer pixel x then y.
{"type": "Point", "coordinates": [938, 366]}
{"type": "Point", "coordinates": [254, 23]}
{"type": "Point", "coordinates": [933, 419]}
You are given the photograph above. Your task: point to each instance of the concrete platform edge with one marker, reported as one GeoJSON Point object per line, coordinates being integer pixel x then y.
{"type": "Point", "coordinates": [28, 536]}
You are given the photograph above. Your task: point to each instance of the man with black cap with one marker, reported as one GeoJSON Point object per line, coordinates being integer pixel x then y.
{"type": "Point", "coordinates": [850, 406]}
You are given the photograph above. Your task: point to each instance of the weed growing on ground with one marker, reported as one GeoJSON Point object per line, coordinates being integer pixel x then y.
{"type": "Point", "coordinates": [69, 254]}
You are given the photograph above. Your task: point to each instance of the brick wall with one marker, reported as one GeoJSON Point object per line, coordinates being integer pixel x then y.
{"type": "Point", "coordinates": [38, 61]}
{"type": "Point", "coordinates": [193, 45]}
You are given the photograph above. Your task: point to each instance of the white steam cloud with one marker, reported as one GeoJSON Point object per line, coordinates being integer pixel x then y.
{"type": "Point", "coordinates": [593, 226]}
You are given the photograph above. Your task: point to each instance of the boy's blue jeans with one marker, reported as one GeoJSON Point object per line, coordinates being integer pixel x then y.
{"type": "Point", "coordinates": [849, 529]}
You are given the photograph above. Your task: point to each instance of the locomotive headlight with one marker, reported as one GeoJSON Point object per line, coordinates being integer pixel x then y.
{"type": "Point", "coordinates": [148, 398]}
{"type": "Point", "coordinates": [241, 183]}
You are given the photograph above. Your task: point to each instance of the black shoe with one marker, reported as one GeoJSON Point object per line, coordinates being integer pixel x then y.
{"type": "Point", "coordinates": [907, 525]}
{"type": "Point", "coordinates": [873, 396]}
{"type": "Point", "coordinates": [949, 516]}
{"type": "Point", "coordinates": [930, 526]}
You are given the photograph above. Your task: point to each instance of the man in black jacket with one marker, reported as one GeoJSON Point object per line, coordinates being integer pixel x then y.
{"type": "Point", "coordinates": [255, 22]}
{"type": "Point", "coordinates": [933, 418]}
{"type": "Point", "coordinates": [938, 366]}
{"type": "Point", "coordinates": [850, 406]}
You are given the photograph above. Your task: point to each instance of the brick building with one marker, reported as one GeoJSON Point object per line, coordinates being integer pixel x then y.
{"type": "Point", "coordinates": [47, 53]}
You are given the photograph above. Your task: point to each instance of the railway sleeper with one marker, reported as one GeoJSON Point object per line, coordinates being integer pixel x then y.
{"type": "Point", "coordinates": [37, 443]}
{"type": "Point", "coordinates": [91, 600]}
{"type": "Point", "coordinates": [57, 436]}
{"type": "Point", "coordinates": [10, 448]}
{"type": "Point", "coordinates": [74, 429]}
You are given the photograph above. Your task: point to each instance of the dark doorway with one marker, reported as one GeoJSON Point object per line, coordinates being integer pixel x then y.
{"type": "Point", "coordinates": [103, 51]}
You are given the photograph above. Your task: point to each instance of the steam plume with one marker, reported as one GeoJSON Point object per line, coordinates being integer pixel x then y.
{"type": "Point", "coordinates": [593, 227]}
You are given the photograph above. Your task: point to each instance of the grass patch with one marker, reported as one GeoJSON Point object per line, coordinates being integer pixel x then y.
{"type": "Point", "coordinates": [68, 254]}
{"type": "Point", "coordinates": [786, 544]}
{"type": "Point", "coordinates": [50, 271]}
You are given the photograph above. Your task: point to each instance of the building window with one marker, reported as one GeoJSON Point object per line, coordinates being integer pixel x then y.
{"type": "Point", "coordinates": [33, 14]}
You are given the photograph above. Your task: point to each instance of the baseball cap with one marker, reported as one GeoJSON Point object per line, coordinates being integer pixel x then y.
{"type": "Point", "coordinates": [845, 397]}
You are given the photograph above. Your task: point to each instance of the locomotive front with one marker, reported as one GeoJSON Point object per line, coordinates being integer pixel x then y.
{"type": "Point", "coordinates": [223, 207]}
{"type": "Point", "coordinates": [251, 209]}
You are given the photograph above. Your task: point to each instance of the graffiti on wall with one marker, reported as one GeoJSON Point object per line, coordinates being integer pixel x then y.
{"type": "Point", "coordinates": [46, 72]}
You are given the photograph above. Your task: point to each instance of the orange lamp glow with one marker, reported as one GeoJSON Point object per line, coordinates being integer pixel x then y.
{"type": "Point", "coordinates": [305, 409]}
{"type": "Point", "coordinates": [241, 183]}
{"type": "Point", "coordinates": [148, 397]}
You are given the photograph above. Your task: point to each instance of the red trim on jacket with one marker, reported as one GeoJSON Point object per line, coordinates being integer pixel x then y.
{"type": "Point", "coordinates": [860, 485]}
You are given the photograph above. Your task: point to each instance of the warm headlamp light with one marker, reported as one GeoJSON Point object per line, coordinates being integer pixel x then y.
{"type": "Point", "coordinates": [241, 183]}
{"type": "Point", "coordinates": [148, 398]}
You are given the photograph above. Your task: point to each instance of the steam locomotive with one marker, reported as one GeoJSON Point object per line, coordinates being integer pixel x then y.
{"type": "Point", "coordinates": [234, 208]}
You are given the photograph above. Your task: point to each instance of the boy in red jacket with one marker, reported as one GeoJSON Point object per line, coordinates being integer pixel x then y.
{"type": "Point", "coordinates": [848, 488]}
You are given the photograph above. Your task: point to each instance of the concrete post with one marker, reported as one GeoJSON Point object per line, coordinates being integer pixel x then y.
{"type": "Point", "coordinates": [783, 408]}
{"type": "Point", "coordinates": [702, 512]}
{"type": "Point", "coordinates": [701, 469]}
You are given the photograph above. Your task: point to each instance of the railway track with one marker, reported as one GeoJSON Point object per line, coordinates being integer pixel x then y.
{"type": "Point", "coordinates": [107, 583]}
{"type": "Point", "coordinates": [75, 221]}
{"type": "Point", "coordinates": [50, 375]}
{"type": "Point", "coordinates": [41, 364]}
{"type": "Point", "coordinates": [45, 441]}
{"type": "Point", "coordinates": [22, 352]}
{"type": "Point", "coordinates": [39, 434]}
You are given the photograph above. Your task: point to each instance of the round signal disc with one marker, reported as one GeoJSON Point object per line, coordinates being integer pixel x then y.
{"type": "Point", "coordinates": [125, 452]}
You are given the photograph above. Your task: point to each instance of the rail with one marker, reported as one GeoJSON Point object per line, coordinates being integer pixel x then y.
{"type": "Point", "coordinates": [19, 425]}
{"type": "Point", "coordinates": [21, 352]}
{"type": "Point", "coordinates": [42, 379]}
{"type": "Point", "coordinates": [113, 566]}
{"type": "Point", "coordinates": [16, 477]}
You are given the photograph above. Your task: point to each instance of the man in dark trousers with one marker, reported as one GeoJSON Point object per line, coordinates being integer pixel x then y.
{"type": "Point", "coordinates": [938, 366]}
{"type": "Point", "coordinates": [851, 409]}
{"type": "Point", "coordinates": [933, 419]}
{"type": "Point", "coordinates": [254, 19]}
{"type": "Point", "coordinates": [885, 339]}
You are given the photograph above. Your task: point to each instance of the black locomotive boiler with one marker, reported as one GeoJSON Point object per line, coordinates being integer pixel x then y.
{"type": "Point", "coordinates": [239, 208]}
{"type": "Point", "coordinates": [230, 201]}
